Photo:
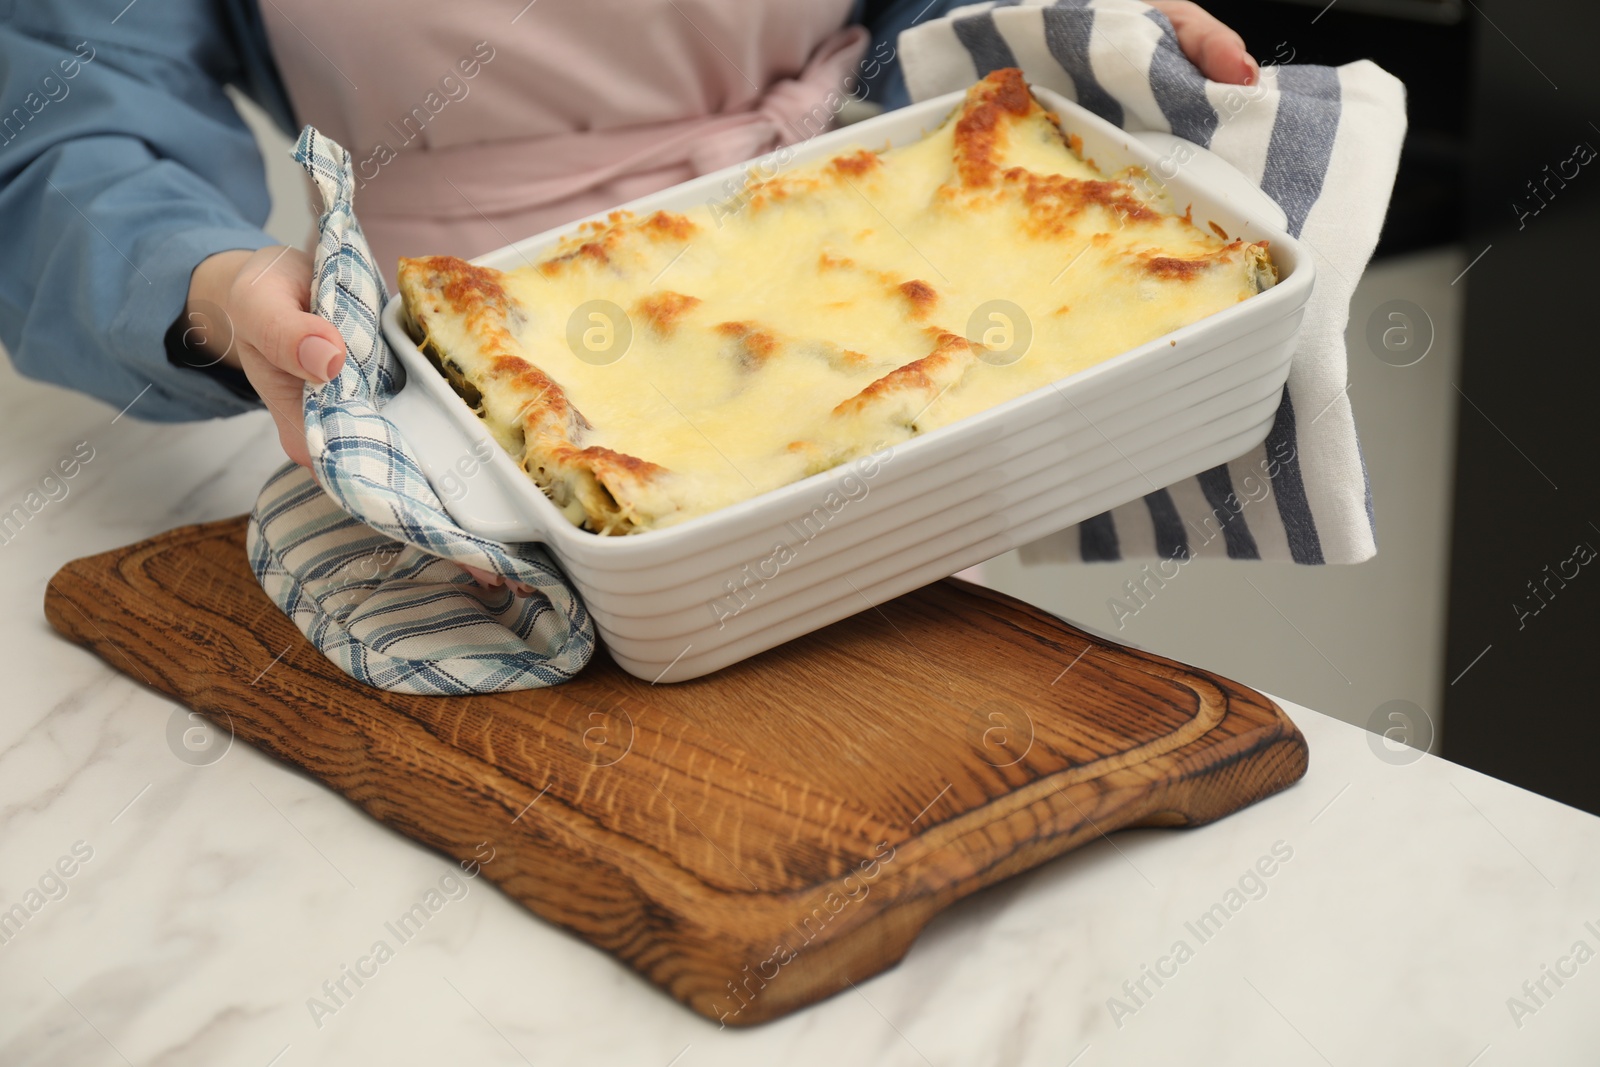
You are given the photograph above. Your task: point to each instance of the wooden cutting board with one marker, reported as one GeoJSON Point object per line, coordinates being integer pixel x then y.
{"type": "Point", "coordinates": [751, 841]}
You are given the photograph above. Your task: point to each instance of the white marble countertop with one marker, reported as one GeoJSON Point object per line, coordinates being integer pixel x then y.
{"type": "Point", "coordinates": [1409, 902]}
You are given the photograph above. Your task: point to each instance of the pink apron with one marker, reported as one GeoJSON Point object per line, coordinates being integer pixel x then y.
{"type": "Point", "coordinates": [476, 123]}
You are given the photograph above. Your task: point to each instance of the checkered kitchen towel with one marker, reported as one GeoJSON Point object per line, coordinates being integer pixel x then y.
{"type": "Point", "coordinates": [1324, 143]}
{"type": "Point", "coordinates": [367, 567]}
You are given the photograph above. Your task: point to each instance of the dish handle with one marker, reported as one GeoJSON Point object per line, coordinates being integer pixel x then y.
{"type": "Point", "coordinates": [464, 469]}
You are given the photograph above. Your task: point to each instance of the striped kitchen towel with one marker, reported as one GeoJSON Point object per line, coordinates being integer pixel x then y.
{"type": "Point", "coordinates": [1324, 143]}
{"type": "Point", "coordinates": [366, 563]}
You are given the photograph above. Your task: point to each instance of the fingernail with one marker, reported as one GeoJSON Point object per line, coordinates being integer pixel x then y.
{"type": "Point", "coordinates": [320, 357]}
{"type": "Point", "coordinates": [1253, 71]}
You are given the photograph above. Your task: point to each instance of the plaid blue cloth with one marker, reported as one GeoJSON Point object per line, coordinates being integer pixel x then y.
{"type": "Point", "coordinates": [367, 563]}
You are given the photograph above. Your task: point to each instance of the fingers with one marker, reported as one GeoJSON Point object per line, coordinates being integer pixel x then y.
{"type": "Point", "coordinates": [491, 580]}
{"type": "Point", "coordinates": [282, 346]}
{"type": "Point", "coordinates": [261, 298]}
{"type": "Point", "coordinates": [483, 577]}
{"type": "Point", "coordinates": [269, 298]}
{"type": "Point", "coordinates": [1213, 47]}
{"type": "Point", "coordinates": [284, 395]}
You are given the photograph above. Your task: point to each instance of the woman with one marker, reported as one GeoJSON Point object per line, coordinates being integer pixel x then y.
{"type": "Point", "coordinates": [131, 194]}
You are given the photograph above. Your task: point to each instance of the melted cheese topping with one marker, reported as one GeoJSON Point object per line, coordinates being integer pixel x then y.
{"type": "Point", "coordinates": [760, 324]}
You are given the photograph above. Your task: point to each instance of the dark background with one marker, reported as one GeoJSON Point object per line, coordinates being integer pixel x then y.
{"type": "Point", "coordinates": [1496, 92]}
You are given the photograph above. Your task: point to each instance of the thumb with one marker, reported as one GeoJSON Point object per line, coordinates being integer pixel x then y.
{"type": "Point", "coordinates": [298, 342]}
{"type": "Point", "coordinates": [272, 304]}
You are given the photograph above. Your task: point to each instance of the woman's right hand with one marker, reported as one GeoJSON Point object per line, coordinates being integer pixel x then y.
{"type": "Point", "coordinates": [248, 310]}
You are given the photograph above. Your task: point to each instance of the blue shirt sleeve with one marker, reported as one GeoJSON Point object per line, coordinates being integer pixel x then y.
{"type": "Point", "coordinates": [885, 20]}
{"type": "Point", "coordinates": [123, 164]}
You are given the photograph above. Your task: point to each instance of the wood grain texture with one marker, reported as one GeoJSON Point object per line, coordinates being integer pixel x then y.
{"type": "Point", "coordinates": [751, 841]}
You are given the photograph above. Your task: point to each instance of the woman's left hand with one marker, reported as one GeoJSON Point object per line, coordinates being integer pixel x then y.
{"type": "Point", "coordinates": [1216, 50]}
{"type": "Point", "coordinates": [492, 580]}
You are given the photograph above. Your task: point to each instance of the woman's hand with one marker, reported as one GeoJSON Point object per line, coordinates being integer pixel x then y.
{"type": "Point", "coordinates": [248, 310]}
{"type": "Point", "coordinates": [1211, 46]}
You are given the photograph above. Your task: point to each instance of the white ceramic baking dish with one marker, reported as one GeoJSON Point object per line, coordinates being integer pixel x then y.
{"type": "Point", "coordinates": [679, 602]}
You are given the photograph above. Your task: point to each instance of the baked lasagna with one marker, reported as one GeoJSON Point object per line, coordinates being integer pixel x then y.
{"type": "Point", "coordinates": [655, 368]}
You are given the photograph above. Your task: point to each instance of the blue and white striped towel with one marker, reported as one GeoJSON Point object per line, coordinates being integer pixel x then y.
{"type": "Point", "coordinates": [368, 569]}
{"type": "Point", "coordinates": [1324, 143]}
{"type": "Point", "coordinates": [366, 563]}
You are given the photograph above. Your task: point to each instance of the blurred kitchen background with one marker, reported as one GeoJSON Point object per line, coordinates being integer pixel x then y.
{"type": "Point", "coordinates": [1481, 454]}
